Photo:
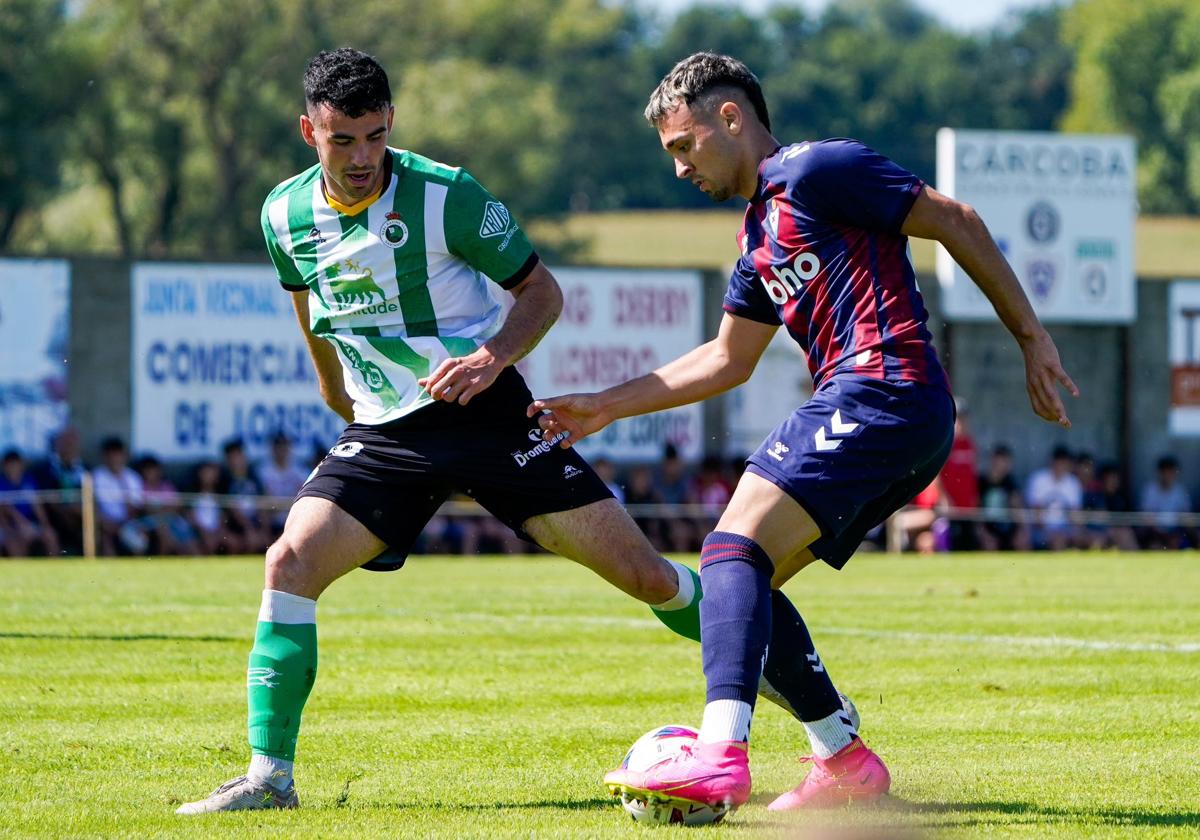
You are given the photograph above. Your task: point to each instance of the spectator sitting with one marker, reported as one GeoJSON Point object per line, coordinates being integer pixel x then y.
{"type": "Point", "coordinates": [671, 482]}
{"type": "Point", "coordinates": [206, 515]}
{"type": "Point", "coordinates": [998, 491]}
{"type": "Point", "coordinates": [1166, 497]}
{"type": "Point", "coordinates": [1108, 495]}
{"type": "Point", "coordinates": [710, 489]}
{"type": "Point", "coordinates": [164, 521]}
{"type": "Point", "coordinates": [917, 520]}
{"type": "Point", "coordinates": [23, 519]}
{"type": "Point", "coordinates": [959, 481]}
{"type": "Point", "coordinates": [1056, 493]}
{"type": "Point", "coordinates": [640, 490]}
{"type": "Point", "coordinates": [64, 470]}
{"type": "Point", "coordinates": [281, 478]}
{"type": "Point", "coordinates": [245, 518]}
{"type": "Point", "coordinates": [119, 500]}
{"type": "Point", "coordinates": [608, 474]}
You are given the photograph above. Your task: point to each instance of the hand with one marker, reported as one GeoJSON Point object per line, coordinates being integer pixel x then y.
{"type": "Point", "coordinates": [1043, 374]}
{"type": "Point", "coordinates": [574, 416]}
{"type": "Point", "coordinates": [459, 379]}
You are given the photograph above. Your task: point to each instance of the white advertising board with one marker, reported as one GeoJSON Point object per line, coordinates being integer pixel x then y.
{"type": "Point", "coordinates": [617, 325]}
{"type": "Point", "coordinates": [1183, 352]}
{"type": "Point", "coordinates": [779, 385]}
{"type": "Point", "coordinates": [217, 355]}
{"type": "Point", "coordinates": [35, 300]}
{"type": "Point", "coordinates": [1062, 209]}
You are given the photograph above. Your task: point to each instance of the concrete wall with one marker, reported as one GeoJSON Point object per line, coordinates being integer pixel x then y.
{"type": "Point", "coordinates": [99, 370]}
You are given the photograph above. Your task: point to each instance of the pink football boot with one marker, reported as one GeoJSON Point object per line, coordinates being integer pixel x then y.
{"type": "Point", "coordinates": [855, 774]}
{"type": "Point", "coordinates": [709, 774]}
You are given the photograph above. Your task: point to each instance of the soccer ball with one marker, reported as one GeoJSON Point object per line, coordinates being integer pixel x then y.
{"type": "Point", "coordinates": [656, 746]}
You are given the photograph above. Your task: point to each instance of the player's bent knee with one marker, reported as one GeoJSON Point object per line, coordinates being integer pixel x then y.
{"type": "Point", "coordinates": [286, 570]}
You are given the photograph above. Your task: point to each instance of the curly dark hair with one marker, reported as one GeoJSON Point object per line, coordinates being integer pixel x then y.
{"type": "Point", "coordinates": [347, 80]}
{"type": "Point", "coordinates": [698, 78]}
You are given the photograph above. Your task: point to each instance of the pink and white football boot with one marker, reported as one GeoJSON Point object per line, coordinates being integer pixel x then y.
{"type": "Point", "coordinates": [854, 774]}
{"type": "Point", "coordinates": [715, 775]}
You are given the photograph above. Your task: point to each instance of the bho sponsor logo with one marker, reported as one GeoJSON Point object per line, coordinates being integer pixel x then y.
{"type": "Point", "coordinates": [789, 280]}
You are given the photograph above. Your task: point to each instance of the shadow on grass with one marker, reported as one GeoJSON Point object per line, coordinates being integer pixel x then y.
{"type": "Point", "coordinates": [131, 637]}
{"type": "Point", "coordinates": [1015, 813]}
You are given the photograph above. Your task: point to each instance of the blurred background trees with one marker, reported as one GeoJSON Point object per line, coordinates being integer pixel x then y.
{"type": "Point", "coordinates": [156, 127]}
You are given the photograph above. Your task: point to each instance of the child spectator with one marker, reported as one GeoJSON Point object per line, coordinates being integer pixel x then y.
{"type": "Point", "coordinates": [119, 501]}
{"type": "Point", "coordinates": [959, 481]}
{"type": "Point", "coordinates": [164, 520]}
{"type": "Point", "coordinates": [1055, 493]}
{"type": "Point", "coordinates": [1109, 495]}
{"type": "Point", "coordinates": [1166, 496]}
{"type": "Point", "coordinates": [23, 520]}
{"type": "Point", "coordinates": [206, 515]}
{"type": "Point", "coordinates": [998, 492]}
{"type": "Point", "coordinates": [245, 518]}
{"type": "Point", "coordinates": [281, 478]}
{"type": "Point", "coordinates": [64, 469]}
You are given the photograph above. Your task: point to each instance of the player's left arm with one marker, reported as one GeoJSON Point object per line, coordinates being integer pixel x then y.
{"type": "Point", "coordinates": [962, 232]}
{"type": "Point", "coordinates": [539, 302]}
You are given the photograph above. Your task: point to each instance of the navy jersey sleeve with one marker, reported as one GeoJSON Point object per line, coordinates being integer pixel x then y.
{"type": "Point", "coordinates": [846, 182]}
{"type": "Point", "coordinates": [745, 296]}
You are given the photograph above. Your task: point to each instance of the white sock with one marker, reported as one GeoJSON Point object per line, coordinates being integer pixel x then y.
{"type": "Point", "coordinates": [276, 772]}
{"type": "Point", "coordinates": [830, 735]}
{"type": "Point", "coordinates": [726, 720]}
{"type": "Point", "coordinates": [286, 608]}
{"type": "Point", "coordinates": [684, 595]}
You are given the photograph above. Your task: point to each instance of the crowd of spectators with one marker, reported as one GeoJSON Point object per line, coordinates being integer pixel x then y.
{"type": "Point", "coordinates": [231, 506]}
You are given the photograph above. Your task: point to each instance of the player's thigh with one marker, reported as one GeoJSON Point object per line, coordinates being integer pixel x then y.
{"type": "Point", "coordinates": [320, 543]}
{"type": "Point", "coordinates": [603, 537]}
{"type": "Point", "coordinates": [765, 513]}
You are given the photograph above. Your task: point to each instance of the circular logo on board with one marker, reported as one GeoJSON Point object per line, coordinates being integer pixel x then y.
{"type": "Point", "coordinates": [1042, 223]}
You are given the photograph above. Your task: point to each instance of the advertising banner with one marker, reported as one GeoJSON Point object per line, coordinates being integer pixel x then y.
{"type": "Point", "coordinates": [218, 355]}
{"type": "Point", "coordinates": [35, 300]}
{"type": "Point", "coordinates": [616, 325]}
{"type": "Point", "coordinates": [1062, 209]}
{"type": "Point", "coordinates": [1183, 316]}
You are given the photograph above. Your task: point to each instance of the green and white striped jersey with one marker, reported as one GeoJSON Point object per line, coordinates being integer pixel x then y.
{"type": "Point", "coordinates": [397, 284]}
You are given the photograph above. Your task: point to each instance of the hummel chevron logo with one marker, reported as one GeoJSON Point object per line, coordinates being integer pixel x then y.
{"type": "Point", "coordinates": [262, 677]}
{"type": "Point", "coordinates": [836, 428]}
{"type": "Point", "coordinates": [791, 153]}
{"type": "Point", "coordinates": [815, 661]}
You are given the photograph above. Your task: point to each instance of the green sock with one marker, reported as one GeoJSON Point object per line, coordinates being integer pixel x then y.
{"type": "Point", "coordinates": [281, 672]}
{"type": "Point", "coordinates": [682, 613]}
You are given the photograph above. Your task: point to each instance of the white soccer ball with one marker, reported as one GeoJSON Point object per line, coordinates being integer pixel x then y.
{"type": "Point", "coordinates": [656, 746]}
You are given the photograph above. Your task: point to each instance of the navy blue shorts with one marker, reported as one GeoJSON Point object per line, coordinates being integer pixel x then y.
{"type": "Point", "coordinates": [857, 452]}
{"type": "Point", "coordinates": [393, 477]}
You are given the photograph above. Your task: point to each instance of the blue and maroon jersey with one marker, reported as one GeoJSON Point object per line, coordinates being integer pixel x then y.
{"type": "Point", "coordinates": [822, 254]}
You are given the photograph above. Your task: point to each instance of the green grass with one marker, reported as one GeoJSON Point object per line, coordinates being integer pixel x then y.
{"type": "Point", "coordinates": [485, 697]}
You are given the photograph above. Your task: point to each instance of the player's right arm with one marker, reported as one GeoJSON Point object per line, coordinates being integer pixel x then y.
{"type": "Point", "coordinates": [325, 360]}
{"type": "Point", "coordinates": [723, 363]}
{"type": "Point", "coordinates": [962, 232]}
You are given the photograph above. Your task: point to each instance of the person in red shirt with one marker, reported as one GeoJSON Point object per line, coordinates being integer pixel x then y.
{"type": "Point", "coordinates": [959, 480]}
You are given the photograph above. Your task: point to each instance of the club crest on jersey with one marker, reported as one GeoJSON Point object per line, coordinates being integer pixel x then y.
{"type": "Point", "coordinates": [495, 220]}
{"type": "Point", "coordinates": [393, 232]}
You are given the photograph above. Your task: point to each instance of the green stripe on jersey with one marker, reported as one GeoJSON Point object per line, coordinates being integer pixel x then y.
{"type": "Point", "coordinates": [412, 262]}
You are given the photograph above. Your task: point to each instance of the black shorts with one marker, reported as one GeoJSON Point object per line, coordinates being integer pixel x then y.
{"type": "Point", "coordinates": [393, 477]}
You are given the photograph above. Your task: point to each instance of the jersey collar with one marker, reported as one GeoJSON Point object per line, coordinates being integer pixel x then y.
{"type": "Point", "coordinates": [355, 209]}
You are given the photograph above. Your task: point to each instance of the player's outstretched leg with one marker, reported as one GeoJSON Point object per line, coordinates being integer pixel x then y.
{"type": "Point", "coordinates": [736, 619]}
{"type": "Point", "coordinates": [320, 543]}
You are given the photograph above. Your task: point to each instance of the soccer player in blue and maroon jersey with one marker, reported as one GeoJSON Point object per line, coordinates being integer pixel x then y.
{"type": "Point", "coordinates": [824, 254]}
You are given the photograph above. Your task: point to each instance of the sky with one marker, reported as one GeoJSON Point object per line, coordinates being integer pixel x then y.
{"type": "Point", "coordinates": [960, 14]}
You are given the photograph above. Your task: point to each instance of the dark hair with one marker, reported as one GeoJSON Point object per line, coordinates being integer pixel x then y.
{"type": "Point", "coordinates": [1168, 462]}
{"type": "Point", "coordinates": [233, 445]}
{"type": "Point", "coordinates": [1060, 453]}
{"type": "Point", "coordinates": [112, 444]}
{"type": "Point", "coordinates": [347, 80]}
{"type": "Point", "coordinates": [1001, 450]}
{"type": "Point", "coordinates": [11, 455]}
{"type": "Point", "coordinates": [697, 77]}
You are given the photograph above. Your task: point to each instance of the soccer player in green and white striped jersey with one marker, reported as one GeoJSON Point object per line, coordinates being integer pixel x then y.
{"type": "Point", "coordinates": [395, 263]}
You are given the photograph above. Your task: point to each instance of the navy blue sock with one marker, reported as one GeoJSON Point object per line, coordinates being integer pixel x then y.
{"type": "Point", "coordinates": [793, 668]}
{"type": "Point", "coordinates": [735, 615]}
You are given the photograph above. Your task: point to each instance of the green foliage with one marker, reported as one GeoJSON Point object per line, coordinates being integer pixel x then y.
{"type": "Point", "coordinates": [1012, 696]}
{"type": "Point", "coordinates": [1138, 71]}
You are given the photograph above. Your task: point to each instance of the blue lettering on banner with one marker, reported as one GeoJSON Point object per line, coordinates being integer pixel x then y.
{"type": "Point", "coordinates": [191, 425]}
{"type": "Point", "coordinates": [228, 363]}
{"type": "Point", "coordinates": [308, 425]}
{"type": "Point", "coordinates": [229, 298]}
{"type": "Point", "coordinates": [169, 297]}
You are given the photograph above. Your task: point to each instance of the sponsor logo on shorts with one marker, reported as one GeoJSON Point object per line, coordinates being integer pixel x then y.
{"type": "Point", "coordinates": [346, 450]}
{"type": "Point", "coordinates": [778, 450]}
{"type": "Point", "coordinates": [524, 457]}
{"type": "Point", "coordinates": [570, 471]}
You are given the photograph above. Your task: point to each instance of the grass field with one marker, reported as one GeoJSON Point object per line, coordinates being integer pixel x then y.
{"type": "Point", "coordinates": [1013, 696]}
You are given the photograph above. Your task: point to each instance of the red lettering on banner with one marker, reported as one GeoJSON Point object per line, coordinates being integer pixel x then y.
{"type": "Point", "coordinates": [646, 306]}
{"type": "Point", "coordinates": [595, 365]}
{"type": "Point", "coordinates": [577, 305]}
